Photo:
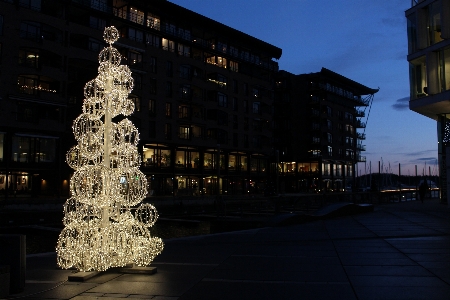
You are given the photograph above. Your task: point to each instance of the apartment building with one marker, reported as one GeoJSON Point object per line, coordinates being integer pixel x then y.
{"type": "Point", "coordinates": [429, 71]}
{"type": "Point", "coordinates": [203, 94]}
{"type": "Point", "coordinates": [320, 130]}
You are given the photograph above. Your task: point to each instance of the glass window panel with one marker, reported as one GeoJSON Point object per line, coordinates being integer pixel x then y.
{"type": "Point", "coordinates": [47, 150]}
{"type": "Point", "coordinates": [165, 158]}
{"type": "Point", "coordinates": [418, 78]}
{"type": "Point", "coordinates": [208, 161]}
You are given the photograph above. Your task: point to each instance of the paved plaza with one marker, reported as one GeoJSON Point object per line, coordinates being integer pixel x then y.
{"type": "Point", "coordinates": [398, 251]}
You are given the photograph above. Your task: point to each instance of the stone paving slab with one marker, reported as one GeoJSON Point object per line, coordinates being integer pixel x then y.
{"type": "Point", "coordinates": [399, 251]}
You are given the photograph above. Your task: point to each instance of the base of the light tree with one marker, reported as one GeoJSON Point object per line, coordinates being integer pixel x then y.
{"type": "Point", "coordinates": [82, 276]}
{"type": "Point", "coordinates": [129, 269]}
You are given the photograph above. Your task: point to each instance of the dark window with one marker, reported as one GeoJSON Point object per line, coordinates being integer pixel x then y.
{"type": "Point", "coordinates": [152, 129]}
{"type": "Point", "coordinates": [222, 118]}
{"type": "Point", "coordinates": [235, 122]}
{"type": "Point", "coordinates": [152, 107]}
{"type": "Point", "coordinates": [1, 25]}
{"type": "Point", "coordinates": [97, 23]}
{"type": "Point", "coordinates": [185, 71]}
{"type": "Point", "coordinates": [235, 139]}
{"type": "Point", "coordinates": [222, 137]}
{"type": "Point", "coordinates": [169, 71]}
{"type": "Point", "coordinates": [235, 86]}
{"type": "Point", "coordinates": [168, 109]}
{"type": "Point", "coordinates": [168, 131]}
{"type": "Point", "coordinates": [245, 141]}
{"type": "Point", "coordinates": [31, 4]}
{"type": "Point", "coordinates": [235, 104]}
{"type": "Point", "coordinates": [99, 5]}
{"type": "Point", "coordinates": [256, 142]}
{"type": "Point", "coordinates": [245, 106]}
{"type": "Point", "coordinates": [30, 30]}
{"type": "Point", "coordinates": [168, 89]}
{"type": "Point", "coordinates": [152, 65]}
{"type": "Point", "coordinates": [137, 81]}
{"type": "Point", "coordinates": [152, 86]}
{"type": "Point", "coordinates": [245, 89]}
{"type": "Point", "coordinates": [135, 35]}
{"type": "Point", "coordinates": [222, 100]}
{"type": "Point", "coordinates": [152, 40]}
{"type": "Point", "coordinates": [257, 108]}
{"type": "Point", "coordinates": [95, 45]}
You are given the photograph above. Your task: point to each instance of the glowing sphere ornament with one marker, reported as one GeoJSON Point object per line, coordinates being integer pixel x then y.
{"type": "Point", "coordinates": [103, 228]}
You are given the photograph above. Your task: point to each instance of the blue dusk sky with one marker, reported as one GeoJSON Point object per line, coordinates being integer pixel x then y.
{"type": "Point", "coordinates": [365, 41]}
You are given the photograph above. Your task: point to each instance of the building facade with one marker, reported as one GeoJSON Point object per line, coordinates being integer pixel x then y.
{"type": "Point", "coordinates": [319, 133]}
{"type": "Point", "coordinates": [203, 94]}
{"type": "Point", "coordinates": [429, 72]}
{"type": "Point", "coordinates": [214, 113]}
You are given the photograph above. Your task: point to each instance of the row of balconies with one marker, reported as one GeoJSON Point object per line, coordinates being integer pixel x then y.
{"type": "Point", "coordinates": [338, 91]}
{"type": "Point", "coordinates": [359, 146]}
{"type": "Point", "coordinates": [154, 24]}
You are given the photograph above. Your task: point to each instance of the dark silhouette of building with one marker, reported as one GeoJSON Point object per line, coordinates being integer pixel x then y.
{"type": "Point", "coordinates": [204, 95]}
{"type": "Point", "coordinates": [317, 119]}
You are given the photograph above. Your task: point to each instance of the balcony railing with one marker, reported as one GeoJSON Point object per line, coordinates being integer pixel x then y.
{"type": "Point", "coordinates": [360, 113]}
{"type": "Point", "coordinates": [361, 147]}
{"type": "Point", "coordinates": [359, 124]}
{"type": "Point", "coordinates": [361, 136]}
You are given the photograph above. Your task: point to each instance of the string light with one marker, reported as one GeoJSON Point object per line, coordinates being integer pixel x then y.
{"type": "Point", "coordinates": [103, 226]}
{"type": "Point", "coordinates": [38, 88]}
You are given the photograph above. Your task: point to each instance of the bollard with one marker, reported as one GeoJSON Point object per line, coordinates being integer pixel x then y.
{"type": "Point", "coordinates": [4, 281]}
{"type": "Point", "coordinates": [13, 253]}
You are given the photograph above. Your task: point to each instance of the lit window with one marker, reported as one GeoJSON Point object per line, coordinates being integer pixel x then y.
{"type": "Point", "coordinates": [153, 22]}
{"type": "Point", "coordinates": [184, 133]}
{"type": "Point", "coordinates": [168, 45]}
{"type": "Point", "coordinates": [136, 16]}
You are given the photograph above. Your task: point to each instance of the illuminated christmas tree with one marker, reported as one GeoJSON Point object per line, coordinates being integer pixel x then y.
{"type": "Point", "coordinates": [104, 226]}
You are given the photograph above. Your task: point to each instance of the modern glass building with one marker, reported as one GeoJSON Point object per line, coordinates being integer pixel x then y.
{"type": "Point", "coordinates": [429, 71]}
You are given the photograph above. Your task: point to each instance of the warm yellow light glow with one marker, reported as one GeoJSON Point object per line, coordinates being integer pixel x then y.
{"type": "Point", "coordinates": [103, 228]}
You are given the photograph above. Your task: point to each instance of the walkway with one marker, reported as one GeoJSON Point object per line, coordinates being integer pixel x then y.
{"type": "Point", "coordinates": [399, 251]}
